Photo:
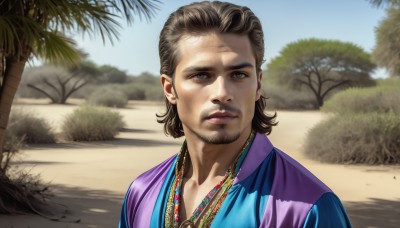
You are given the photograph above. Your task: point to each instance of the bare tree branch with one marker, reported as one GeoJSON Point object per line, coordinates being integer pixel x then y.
{"type": "Point", "coordinates": [51, 86]}
{"type": "Point", "coordinates": [75, 87]}
{"type": "Point", "coordinates": [307, 84]}
{"type": "Point", "coordinates": [335, 86]}
{"type": "Point", "coordinates": [42, 91]}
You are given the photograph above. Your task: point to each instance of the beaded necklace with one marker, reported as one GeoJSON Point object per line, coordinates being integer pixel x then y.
{"type": "Point", "coordinates": [211, 203]}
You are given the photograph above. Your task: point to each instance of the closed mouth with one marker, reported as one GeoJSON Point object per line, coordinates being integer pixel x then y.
{"type": "Point", "coordinates": [221, 114]}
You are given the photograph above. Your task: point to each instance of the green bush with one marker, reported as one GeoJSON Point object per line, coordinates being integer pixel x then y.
{"type": "Point", "coordinates": [282, 98]}
{"type": "Point", "coordinates": [25, 126]}
{"type": "Point", "coordinates": [370, 138]}
{"type": "Point", "coordinates": [384, 98]}
{"type": "Point", "coordinates": [389, 82]}
{"type": "Point", "coordinates": [90, 123]}
{"type": "Point", "coordinates": [108, 96]}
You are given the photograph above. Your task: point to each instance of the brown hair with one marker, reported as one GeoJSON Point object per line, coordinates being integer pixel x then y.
{"type": "Point", "coordinates": [203, 17]}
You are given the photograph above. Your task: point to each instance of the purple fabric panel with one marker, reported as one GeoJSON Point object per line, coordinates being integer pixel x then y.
{"type": "Point", "coordinates": [259, 150]}
{"type": "Point", "coordinates": [143, 194]}
{"type": "Point", "coordinates": [294, 191]}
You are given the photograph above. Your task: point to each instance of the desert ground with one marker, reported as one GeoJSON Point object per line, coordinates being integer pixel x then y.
{"type": "Point", "coordinates": [89, 180]}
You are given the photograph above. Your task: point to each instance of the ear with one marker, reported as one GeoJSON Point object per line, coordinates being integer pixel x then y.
{"type": "Point", "coordinates": [259, 89]}
{"type": "Point", "coordinates": [169, 91]}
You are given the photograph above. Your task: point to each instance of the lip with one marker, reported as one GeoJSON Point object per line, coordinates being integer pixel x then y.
{"type": "Point", "coordinates": [221, 117]}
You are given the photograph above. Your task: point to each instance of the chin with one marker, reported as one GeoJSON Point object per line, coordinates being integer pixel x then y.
{"type": "Point", "coordinates": [222, 137]}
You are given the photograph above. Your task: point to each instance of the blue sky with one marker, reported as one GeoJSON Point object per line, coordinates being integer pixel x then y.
{"type": "Point", "coordinates": [283, 21]}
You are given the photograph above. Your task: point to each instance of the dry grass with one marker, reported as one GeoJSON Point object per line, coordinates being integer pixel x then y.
{"type": "Point", "coordinates": [90, 123]}
{"type": "Point", "coordinates": [109, 97]}
{"type": "Point", "coordinates": [371, 138]}
{"type": "Point", "coordinates": [26, 126]}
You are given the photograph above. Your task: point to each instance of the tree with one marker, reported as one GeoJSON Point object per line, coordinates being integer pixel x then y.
{"type": "Point", "coordinates": [40, 28]}
{"type": "Point", "coordinates": [390, 3]}
{"type": "Point", "coordinates": [111, 74]}
{"type": "Point", "coordinates": [387, 49]}
{"type": "Point", "coordinates": [321, 66]}
{"type": "Point", "coordinates": [146, 78]}
{"type": "Point", "coordinates": [59, 83]}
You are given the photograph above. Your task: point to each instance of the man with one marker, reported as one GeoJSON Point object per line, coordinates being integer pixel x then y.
{"type": "Point", "coordinates": [227, 173]}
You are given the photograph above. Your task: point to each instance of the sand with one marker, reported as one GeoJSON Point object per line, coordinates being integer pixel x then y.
{"type": "Point", "coordinates": [90, 179]}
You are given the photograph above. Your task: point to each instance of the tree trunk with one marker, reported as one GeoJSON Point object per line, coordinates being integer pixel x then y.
{"type": "Point", "coordinates": [12, 77]}
{"type": "Point", "coordinates": [320, 102]}
{"type": "Point", "coordinates": [24, 196]}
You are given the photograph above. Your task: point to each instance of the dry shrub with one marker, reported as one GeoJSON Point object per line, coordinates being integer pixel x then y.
{"type": "Point", "coordinates": [134, 91]}
{"type": "Point", "coordinates": [285, 99]}
{"type": "Point", "coordinates": [382, 99]}
{"type": "Point", "coordinates": [116, 95]}
{"type": "Point", "coordinates": [154, 93]}
{"type": "Point", "coordinates": [11, 147]}
{"type": "Point", "coordinates": [20, 191]}
{"type": "Point", "coordinates": [149, 92]}
{"type": "Point", "coordinates": [26, 126]}
{"type": "Point", "coordinates": [108, 96]}
{"type": "Point", "coordinates": [90, 123]}
{"type": "Point", "coordinates": [85, 91]}
{"type": "Point", "coordinates": [369, 138]}
{"type": "Point", "coordinates": [23, 193]}
{"type": "Point", "coordinates": [12, 143]}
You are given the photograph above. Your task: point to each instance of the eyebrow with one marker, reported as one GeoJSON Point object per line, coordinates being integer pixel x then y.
{"type": "Point", "coordinates": [206, 68]}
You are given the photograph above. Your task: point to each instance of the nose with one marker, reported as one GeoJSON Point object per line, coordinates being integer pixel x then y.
{"type": "Point", "coordinates": [221, 91]}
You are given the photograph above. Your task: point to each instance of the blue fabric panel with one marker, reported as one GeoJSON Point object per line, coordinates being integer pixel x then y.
{"type": "Point", "coordinates": [123, 222]}
{"type": "Point", "coordinates": [245, 203]}
{"type": "Point", "coordinates": [327, 212]}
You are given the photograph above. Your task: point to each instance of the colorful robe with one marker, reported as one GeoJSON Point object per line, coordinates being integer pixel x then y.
{"type": "Point", "coordinates": [270, 190]}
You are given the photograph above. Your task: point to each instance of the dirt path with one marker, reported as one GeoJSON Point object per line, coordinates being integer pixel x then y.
{"type": "Point", "coordinates": [91, 178]}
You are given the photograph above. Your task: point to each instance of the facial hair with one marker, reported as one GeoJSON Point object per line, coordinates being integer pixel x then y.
{"type": "Point", "coordinates": [219, 139]}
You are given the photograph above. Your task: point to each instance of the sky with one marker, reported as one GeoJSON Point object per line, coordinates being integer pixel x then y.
{"type": "Point", "coordinates": [283, 21]}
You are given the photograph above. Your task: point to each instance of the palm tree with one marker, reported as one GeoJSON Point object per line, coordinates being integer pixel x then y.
{"type": "Point", "coordinates": [41, 28]}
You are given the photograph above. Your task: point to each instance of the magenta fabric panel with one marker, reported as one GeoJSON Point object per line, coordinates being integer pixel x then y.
{"type": "Point", "coordinates": [259, 150]}
{"type": "Point", "coordinates": [294, 191]}
{"type": "Point", "coordinates": [143, 194]}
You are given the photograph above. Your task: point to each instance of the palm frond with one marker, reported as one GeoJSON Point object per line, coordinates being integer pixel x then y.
{"type": "Point", "coordinates": [85, 17]}
{"type": "Point", "coordinates": [99, 21]}
{"type": "Point", "coordinates": [18, 34]}
{"type": "Point", "coordinates": [57, 49]}
{"type": "Point", "coordinates": [130, 8]}
{"type": "Point", "coordinates": [8, 35]}
{"type": "Point", "coordinates": [26, 25]}
{"type": "Point", "coordinates": [93, 18]}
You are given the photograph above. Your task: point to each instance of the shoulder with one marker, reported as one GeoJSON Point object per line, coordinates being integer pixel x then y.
{"type": "Point", "coordinates": [152, 176]}
{"type": "Point", "coordinates": [289, 172]}
{"type": "Point", "coordinates": [142, 194]}
{"type": "Point", "coordinates": [294, 191]}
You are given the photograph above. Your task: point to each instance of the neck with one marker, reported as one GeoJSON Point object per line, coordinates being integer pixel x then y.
{"type": "Point", "coordinates": [209, 162]}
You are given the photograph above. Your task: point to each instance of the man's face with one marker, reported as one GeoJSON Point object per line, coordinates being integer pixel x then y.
{"type": "Point", "coordinates": [215, 86]}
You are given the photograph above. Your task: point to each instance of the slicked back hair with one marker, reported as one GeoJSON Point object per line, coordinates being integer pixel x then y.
{"type": "Point", "coordinates": [201, 18]}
